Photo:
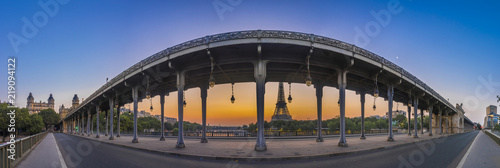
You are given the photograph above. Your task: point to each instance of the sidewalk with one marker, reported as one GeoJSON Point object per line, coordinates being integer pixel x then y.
{"type": "Point", "coordinates": [483, 152]}
{"type": "Point", "coordinates": [46, 154]}
{"type": "Point", "coordinates": [277, 149]}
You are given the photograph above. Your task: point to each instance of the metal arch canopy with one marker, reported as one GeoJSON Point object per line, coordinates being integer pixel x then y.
{"type": "Point", "coordinates": [287, 52]}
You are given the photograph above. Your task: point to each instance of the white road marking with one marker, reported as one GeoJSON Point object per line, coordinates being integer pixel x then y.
{"type": "Point", "coordinates": [461, 164]}
{"type": "Point", "coordinates": [63, 163]}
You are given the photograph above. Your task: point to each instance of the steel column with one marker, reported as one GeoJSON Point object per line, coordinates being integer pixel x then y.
{"type": "Point", "coordinates": [422, 121]}
{"type": "Point", "coordinates": [162, 120]}
{"type": "Point", "coordinates": [135, 96]}
{"type": "Point", "coordinates": [91, 124]}
{"type": "Point", "coordinates": [97, 120]}
{"type": "Point", "coordinates": [203, 93]}
{"type": "Point", "coordinates": [260, 80]}
{"type": "Point", "coordinates": [319, 106]}
{"type": "Point", "coordinates": [342, 83]}
{"type": "Point", "coordinates": [415, 109]}
{"type": "Point", "coordinates": [111, 109]}
{"type": "Point", "coordinates": [107, 120]}
{"type": "Point", "coordinates": [118, 120]}
{"type": "Point", "coordinates": [440, 124]}
{"type": "Point", "coordinates": [180, 108]}
{"type": "Point", "coordinates": [430, 120]}
{"type": "Point", "coordinates": [390, 94]}
{"type": "Point", "coordinates": [362, 100]}
{"type": "Point", "coordinates": [409, 119]}
{"type": "Point", "coordinates": [88, 122]}
{"type": "Point", "coordinates": [446, 130]}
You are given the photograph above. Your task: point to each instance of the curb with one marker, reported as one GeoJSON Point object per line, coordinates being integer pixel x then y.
{"type": "Point", "coordinates": [284, 158]}
{"type": "Point", "coordinates": [493, 136]}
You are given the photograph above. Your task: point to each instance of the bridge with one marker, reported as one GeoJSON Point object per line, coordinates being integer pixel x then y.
{"type": "Point", "coordinates": [262, 56]}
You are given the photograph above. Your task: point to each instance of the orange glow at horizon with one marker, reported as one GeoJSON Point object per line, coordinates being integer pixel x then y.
{"type": "Point", "coordinates": [220, 111]}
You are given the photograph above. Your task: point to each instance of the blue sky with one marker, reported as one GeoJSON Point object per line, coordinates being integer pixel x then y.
{"type": "Point", "coordinates": [450, 45]}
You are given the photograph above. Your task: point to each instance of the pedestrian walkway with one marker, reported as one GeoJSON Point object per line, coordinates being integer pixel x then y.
{"type": "Point", "coordinates": [277, 149]}
{"type": "Point", "coordinates": [484, 152]}
{"type": "Point", "coordinates": [45, 155]}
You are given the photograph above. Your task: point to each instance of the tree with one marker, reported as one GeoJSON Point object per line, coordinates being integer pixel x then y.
{"type": "Point", "coordinates": [266, 125]}
{"type": "Point", "coordinates": [400, 120]}
{"type": "Point", "coordinates": [426, 122]}
{"type": "Point", "coordinates": [168, 126]}
{"type": "Point", "coordinates": [252, 127]}
{"type": "Point", "coordinates": [4, 120]}
{"type": "Point", "coordinates": [23, 120]}
{"type": "Point", "coordinates": [350, 125]}
{"type": "Point", "coordinates": [36, 125]}
{"type": "Point", "coordinates": [50, 117]}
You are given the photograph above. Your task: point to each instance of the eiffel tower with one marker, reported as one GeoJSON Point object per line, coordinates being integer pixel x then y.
{"type": "Point", "coordinates": [281, 111]}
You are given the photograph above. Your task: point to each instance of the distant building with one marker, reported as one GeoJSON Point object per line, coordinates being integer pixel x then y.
{"type": "Point", "coordinates": [34, 107]}
{"type": "Point", "coordinates": [375, 116]}
{"type": "Point", "coordinates": [166, 119]}
{"type": "Point", "coordinates": [124, 110]}
{"type": "Point", "coordinates": [143, 114]}
{"type": "Point", "coordinates": [64, 111]}
{"type": "Point", "coordinates": [492, 117]}
{"type": "Point", "coordinates": [396, 113]}
{"type": "Point", "coordinates": [170, 120]}
{"type": "Point", "coordinates": [491, 109]}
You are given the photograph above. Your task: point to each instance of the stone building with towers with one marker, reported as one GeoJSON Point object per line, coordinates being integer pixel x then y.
{"type": "Point", "coordinates": [35, 107]}
{"type": "Point", "coordinates": [63, 111]}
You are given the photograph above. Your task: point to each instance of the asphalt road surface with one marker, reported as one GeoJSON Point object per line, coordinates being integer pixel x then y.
{"type": "Point", "coordinates": [442, 152]}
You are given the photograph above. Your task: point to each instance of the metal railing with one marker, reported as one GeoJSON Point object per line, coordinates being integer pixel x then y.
{"type": "Point", "coordinates": [22, 146]}
{"type": "Point", "coordinates": [254, 134]}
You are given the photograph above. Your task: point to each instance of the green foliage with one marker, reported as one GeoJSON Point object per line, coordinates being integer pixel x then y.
{"type": "Point", "coordinates": [188, 126]}
{"type": "Point", "coordinates": [50, 117]}
{"type": "Point", "coordinates": [36, 125]}
{"type": "Point", "coordinates": [25, 123]}
{"type": "Point", "coordinates": [496, 127]}
{"type": "Point", "coordinates": [126, 122]}
{"type": "Point", "coordinates": [168, 126]}
{"type": "Point", "coordinates": [148, 123]}
{"type": "Point", "coordinates": [400, 120]}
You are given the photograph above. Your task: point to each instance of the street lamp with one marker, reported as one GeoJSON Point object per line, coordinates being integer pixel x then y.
{"type": "Point", "coordinates": [184, 102]}
{"type": "Point", "coordinates": [232, 93]}
{"type": "Point", "coordinates": [116, 101]}
{"type": "Point", "coordinates": [375, 91]}
{"type": "Point", "coordinates": [289, 92]}
{"type": "Point", "coordinates": [211, 80]}
{"type": "Point", "coordinates": [148, 94]}
{"type": "Point", "coordinates": [308, 78]}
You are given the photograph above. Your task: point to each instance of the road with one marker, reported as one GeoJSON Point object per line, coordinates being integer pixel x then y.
{"type": "Point", "coordinates": [442, 152]}
{"type": "Point", "coordinates": [484, 153]}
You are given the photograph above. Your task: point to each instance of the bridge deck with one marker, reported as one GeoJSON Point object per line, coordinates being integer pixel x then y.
{"type": "Point", "coordinates": [277, 149]}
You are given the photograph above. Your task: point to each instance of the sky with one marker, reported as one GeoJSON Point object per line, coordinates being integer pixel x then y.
{"type": "Point", "coordinates": [69, 47]}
